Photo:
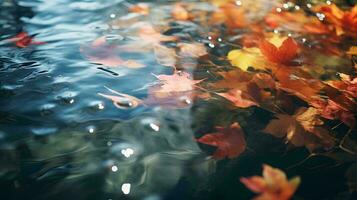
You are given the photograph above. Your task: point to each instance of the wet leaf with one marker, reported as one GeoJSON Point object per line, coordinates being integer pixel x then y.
{"type": "Point", "coordinates": [24, 40]}
{"type": "Point", "coordinates": [245, 58]}
{"type": "Point", "coordinates": [238, 99]}
{"type": "Point", "coordinates": [343, 22]}
{"type": "Point", "coordinates": [301, 129]}
{"type": "Point", "coordinates": [281, 55]}
{"type": "Point", "coordinates": [273, 185]}
{"type": "Point", "coordinates": [230, 141]}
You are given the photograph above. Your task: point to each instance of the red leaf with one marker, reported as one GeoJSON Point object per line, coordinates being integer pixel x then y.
{"type": "Point", "coordinates": [23, 40]}
{"type": "Point", "coordinates": [229, 141]}
{"type": "Point", "coordinates": [282, 55]}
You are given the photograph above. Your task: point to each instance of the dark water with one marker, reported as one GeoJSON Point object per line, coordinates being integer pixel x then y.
{"type": "Point", "coordinates": [60, 140]}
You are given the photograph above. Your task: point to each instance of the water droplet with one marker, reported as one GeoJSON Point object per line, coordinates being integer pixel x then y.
{"type": "Point", "coordinates": [151, 124]}
{"type": "Point", "coordinates": [125, 188]}
{"type": "Point", "coordinates": [91, 129]}
{"type": "Point", "coordinates": [114, 168]}
{"type": "Point", "coordinates": [124, 151]}
{"type": "Point", "coordinates": [154, 127]}
{"type": "Point", "coordinates": [320, 16]}
{"type": "Point", "coordinates": [67, 97]}
{"type": "Point", "coordinates": [211, 45]}
{"type": "Point", "coordinates": [219, 39]}
{"type": "Point", "coordinates": [112, 15]}
{"type": "Point", "coordinates": [96, 105]}
{"type": "Point", "coordinates": [209, 37]}
{"type": "Point", "coordinates": [127, 152]}
{"type": "Point", "coordinates": [186, 100]}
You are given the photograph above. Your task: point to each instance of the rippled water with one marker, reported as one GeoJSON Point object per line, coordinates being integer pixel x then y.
{"type": "Point", "coordinates": [59, 139]}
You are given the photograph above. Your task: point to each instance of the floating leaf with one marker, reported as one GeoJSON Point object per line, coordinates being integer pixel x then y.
{"type": "Point", "coordinates": [282, 55]}
{"type": "Point", "coordinates": [245, 58]}
{"type": "Point", "coordinates": [23, 40]}
{"type": "Point", "coordinates": [230, 141]}
{"type": "Point", "coordinates": [301, 129]}
{"type": "Point", "coordinates": [273, 185]}
{"type": "Point", "coordinates": [238, 99]}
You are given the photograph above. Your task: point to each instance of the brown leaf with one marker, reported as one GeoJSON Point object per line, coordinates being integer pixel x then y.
{"type": "Point", "coordinates": [301, 129]}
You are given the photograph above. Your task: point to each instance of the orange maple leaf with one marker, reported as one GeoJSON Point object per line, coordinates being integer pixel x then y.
{"type": "Point", "coordinates": [229, 141]}
{"type": "Point", "coordinates": [282, 55]}
{"type": "Point", "coordinates": [343, 22]}
{"type": "Point", "coordinates": [273, 185]}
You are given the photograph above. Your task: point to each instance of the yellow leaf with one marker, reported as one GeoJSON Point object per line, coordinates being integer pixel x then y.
{"type": "Point", "coordinates": [246, 57]}
{"type": "Point", "coordinates": [352, 51]}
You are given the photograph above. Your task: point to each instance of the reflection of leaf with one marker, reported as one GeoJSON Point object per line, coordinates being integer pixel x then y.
{"type": "Point", "coordinates": [149, 35]}
{"type": "Point", "coordinates": [229, 141]}
{"type": "Point", "coordinates": [141, 8]}
{"type": "Point", "coordinates": [165, 56]}
{"type": "Point", "coordinates": [193, 50]}
{"type": "Point", "coordinates": [99, 52]}
{"type": "Point", "coordinates": [273, 185]}
{"type": "Point", "coordinates": [179, 12]}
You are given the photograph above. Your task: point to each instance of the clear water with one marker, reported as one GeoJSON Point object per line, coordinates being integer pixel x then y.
{"type": "Point", "coordinates": [60, 140]}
